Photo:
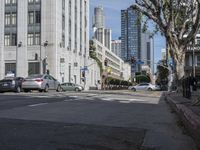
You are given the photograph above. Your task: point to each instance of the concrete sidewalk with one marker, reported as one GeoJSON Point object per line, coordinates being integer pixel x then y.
{"type": "Point", "coordinates": [189, 114]}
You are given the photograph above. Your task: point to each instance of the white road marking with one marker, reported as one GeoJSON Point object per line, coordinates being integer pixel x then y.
{"type": "Point", "coordinates": [140, 100]}
{"type": "Point", "coordinates": [67, 100]}
{"type": "Point", "coordinates": [107, 99]}
{"type": "Point", "coordinates": [122, 99]}
{"type": "Point", "coordinates": [40, 104]}
{"type": "Point", "coordinates": [92, 95]}
{"type": "Point", "coordinates": [126, 102]}
{"type": "Point", "coordinates": [43, 96]}
{"type": "Point", "coordinates": [73, 96]}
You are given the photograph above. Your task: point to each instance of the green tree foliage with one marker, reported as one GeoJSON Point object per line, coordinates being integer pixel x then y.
{"type": "Point", "coordinates": [114, 81]}
{"type": "Point", "coordinates": [162, 73]}
{"type": "Point", "coordinates": [142, 79]}
{"type": "Point", "coordinates": [93, 56]}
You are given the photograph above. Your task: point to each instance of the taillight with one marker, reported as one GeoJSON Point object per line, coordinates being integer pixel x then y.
{"type": "Point", "coordinates": [39, 80]}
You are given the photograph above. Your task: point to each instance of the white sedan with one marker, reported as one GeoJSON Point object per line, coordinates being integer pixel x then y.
{"type": "Point", "coordinates": [145, 87]}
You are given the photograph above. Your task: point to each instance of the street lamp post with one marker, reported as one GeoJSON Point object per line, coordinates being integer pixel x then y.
{"type": "Point", "coordinates": [18, 46]}
{"type": "Point", "coordinates": [193, 44]}
{"type": "Point", "coordinates": [43, 59]}
{"type": "Point", "coordinates": [193, 60]}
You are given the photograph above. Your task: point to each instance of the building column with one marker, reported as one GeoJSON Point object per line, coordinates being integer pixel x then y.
{"type": "Point", "coordinates": [21, 54]}
{"type": "Point", "coordinates": [2, 13]}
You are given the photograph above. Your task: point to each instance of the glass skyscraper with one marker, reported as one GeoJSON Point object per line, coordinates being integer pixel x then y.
{"type": "Point", "coordinates": [131, 37]}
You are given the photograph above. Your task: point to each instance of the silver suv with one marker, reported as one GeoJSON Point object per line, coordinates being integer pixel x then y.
{"type": "Point", "coordinates": [41, 83]}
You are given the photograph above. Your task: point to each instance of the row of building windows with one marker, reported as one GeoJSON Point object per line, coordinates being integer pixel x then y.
{"type": "Point", "coordinates": [10, 19]}
{"type": "Point", "coordinates": [33, 68]}
{"type": "Point", "coordinates": [33, 39]}
{"type": "Point", "coordinates": [9, 2]}
{"type": "Point", "coordinates": [33, 1]}
{"type": "Point", "coordinates": [11, 39]}
{"type": "Point", "coordinates": [34, 17]}
{"type": "Point", "coordinates": [63, 23]}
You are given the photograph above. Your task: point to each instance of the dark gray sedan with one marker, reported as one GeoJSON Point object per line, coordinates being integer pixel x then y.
{"type": "Point", "coordinates": [11, 84]}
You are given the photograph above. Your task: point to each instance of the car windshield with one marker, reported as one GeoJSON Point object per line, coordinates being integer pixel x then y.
{"type": "Point", "coordinates": [6, 80]}
{"type": "Point", "coordinates": [35, 76]}
{"type": "Point", "coordinates": [9, 78]}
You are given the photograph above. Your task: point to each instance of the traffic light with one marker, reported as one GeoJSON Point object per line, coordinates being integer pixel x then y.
{"type": "Point", "coordinates": [45, 43]}
{"type": "Point", "coordinates": [36, 56]}
{"type": "Point", "coordinates": [83, 74]}
{"type": "Point", "coordinates": [106, 63]}
{"type": "Point", "coordinates": [133, 60]}
{"type": "Point", "coordinates": [48, 71]}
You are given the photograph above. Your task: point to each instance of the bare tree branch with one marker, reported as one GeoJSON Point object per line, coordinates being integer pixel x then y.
{"type": "Point", "coordinates": [178, 20]}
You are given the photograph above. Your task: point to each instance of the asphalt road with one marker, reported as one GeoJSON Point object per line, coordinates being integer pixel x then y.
{"type": "Point", "coordinates": [88, 121]}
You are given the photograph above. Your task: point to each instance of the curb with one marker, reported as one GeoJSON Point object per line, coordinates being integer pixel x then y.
{"type": "Point", "coordinates": [190, 120]}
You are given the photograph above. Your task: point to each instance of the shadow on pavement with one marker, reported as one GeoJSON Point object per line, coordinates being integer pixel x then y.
{"type": "Point", "coordinates": [33, 135]}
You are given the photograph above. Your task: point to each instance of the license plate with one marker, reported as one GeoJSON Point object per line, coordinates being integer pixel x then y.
{"type": "Point", "coordinates": [5, 84]}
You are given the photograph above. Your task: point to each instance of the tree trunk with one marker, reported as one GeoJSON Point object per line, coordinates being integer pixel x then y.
{"type": "Point", "coordinates": [178, 55]}
{"type": "Point", "coordinates": [179, 72]}
{"type": "Point", "coordinates": [180, 69]}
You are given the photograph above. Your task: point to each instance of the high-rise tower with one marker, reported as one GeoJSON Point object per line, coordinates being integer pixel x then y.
{"type": "Point", "coordinates": [99, 18]}
{"type": "Point", "coordinates": [131, 37]}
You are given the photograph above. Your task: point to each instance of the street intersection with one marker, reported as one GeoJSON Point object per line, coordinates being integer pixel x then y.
{"type": "Point", "coordinates": [89, 121]}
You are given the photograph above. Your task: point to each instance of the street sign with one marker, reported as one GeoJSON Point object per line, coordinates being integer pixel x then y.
{"type": "Point", "coordinates": [139, 62]}
{"type": "Point", "coordinates": [85, 68]}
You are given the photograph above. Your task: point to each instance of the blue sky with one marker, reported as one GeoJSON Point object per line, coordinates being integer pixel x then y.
{"type": "Point", "coordinates": [112, 10]}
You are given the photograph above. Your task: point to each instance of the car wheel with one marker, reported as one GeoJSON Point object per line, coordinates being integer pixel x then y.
{"type": "Point", "coordinates": [59, 89]}
{"type": "Point", "coordinates": [46, 89]}
{"type": "Point", "coordinates": [18, 89]}
{"type": "Point", "coordinates": [76, 89]}
{"type": "Point", "coordinates": [149, 89]}
{"type": "Point", "coordinates": [134, 89]}
{"type": "Point", "coordinates": [40, 90]}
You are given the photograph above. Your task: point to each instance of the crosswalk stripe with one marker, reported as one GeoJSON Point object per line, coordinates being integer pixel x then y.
{"type": "Point", "coordinates": [40, 104]}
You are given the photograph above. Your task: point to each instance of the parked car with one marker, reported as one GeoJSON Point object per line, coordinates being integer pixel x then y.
{"type": "Point", "coordinates": [71, 87]}
{"type": "Point", "coordinates": [145, 86]}
{"type": "Point", "coordinates": [11, 84]}
{"type": "Point", "coordinates": [41, 83]}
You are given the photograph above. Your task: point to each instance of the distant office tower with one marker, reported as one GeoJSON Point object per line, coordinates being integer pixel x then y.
{"type": "Point", "coordinates": [101, 33]}
{"type": "Point", "coordinates": [107, 38]}
{"type": "Point", "coordinates": [116, 47]}
{"type": "Point", "coordinates": [104, 36]}
{"type": "Point", "coordinates": [146, 48]}
{"type": "Point", "coordinates": [99, 18]}
{"type": "Point", "coordinates": [131, 37]}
